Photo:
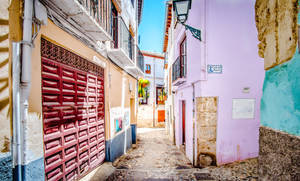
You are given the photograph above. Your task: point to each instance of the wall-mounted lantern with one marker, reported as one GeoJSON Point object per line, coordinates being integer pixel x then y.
{"type": "Point", "coordinates": [181, 8]}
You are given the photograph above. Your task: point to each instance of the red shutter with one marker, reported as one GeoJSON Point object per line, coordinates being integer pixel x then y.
{"type": "Point", "coordinates": [73, 113]}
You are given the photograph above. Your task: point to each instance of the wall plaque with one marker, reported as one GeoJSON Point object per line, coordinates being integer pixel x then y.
{"type": "Point", "coordinates": [243, 108]}
{"type": "Point", "coordinates": [214, 69]}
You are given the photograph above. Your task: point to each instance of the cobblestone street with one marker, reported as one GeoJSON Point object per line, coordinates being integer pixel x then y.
{"type": "Point", "coordinates": [156, 158]}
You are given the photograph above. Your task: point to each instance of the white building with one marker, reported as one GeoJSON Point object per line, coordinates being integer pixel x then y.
{"type": "Point", "coordinates": [151, 109]}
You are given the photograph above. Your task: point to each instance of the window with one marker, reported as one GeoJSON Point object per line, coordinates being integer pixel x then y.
{"type": "Point", "coordinates": [179, 67]}
{"type": "Point", "coordinates": [183, 51]}
{"type": "Point", "coordinates": [148, 69]}
{"type": "Point", "coordinates": [114, 28]}
{"type": "Point", "coordinates": [160, 95]}
{"type": "Point", "coordinates": [130, 46]}
{"type": "Point", "coordinates": [144, 99]}
{"type": "Point", "coordinates": [132, 2]}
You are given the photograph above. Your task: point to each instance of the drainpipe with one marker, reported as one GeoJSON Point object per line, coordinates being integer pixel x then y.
{"type": "Point", "coordinates": [26, 73]}
{"type": "Point", "coordinates": [205, 38]}
{"type": "Point", "coordinates": [154, 93]}
{"type": "Point", "coordinates": [16, 140]}
{"type": "Point", "coordinates": [194, 125]}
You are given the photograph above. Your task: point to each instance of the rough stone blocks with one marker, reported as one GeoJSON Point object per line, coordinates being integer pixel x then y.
{"type": "Point", "coordinates": [5, 166]}
{"type": "Point", "coordinates": [206, 110]}
{"type": "Point", "coordinates": [279, 155]}
{"type": "Point", "coordinates": [276, 22]}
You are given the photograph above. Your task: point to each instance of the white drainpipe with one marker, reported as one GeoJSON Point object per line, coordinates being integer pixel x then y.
{"type": "Point", "coordinates": [16, 141]}
{"type": "Point", "coordinates": [26, 73]}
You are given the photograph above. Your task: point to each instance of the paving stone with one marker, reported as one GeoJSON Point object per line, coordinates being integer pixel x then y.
{"type": "Point", "coordinates": [154, 158]}
{"type": "Point", "coordinates": [203, 176]}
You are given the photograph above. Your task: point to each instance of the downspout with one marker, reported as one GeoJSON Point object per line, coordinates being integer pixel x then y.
{"type": "Point", "coordinates": [122, 108]}
{"type": "Point", "coordinates": [205, 38]}
{"type": "Point", "coordinates": [26, 73]}
{"type": "Point", "coordinates": [194, 125]}
{"type": "Point", "coordinates": [154, 93]}
{"type": "Point", "coordinates": [16, 141]}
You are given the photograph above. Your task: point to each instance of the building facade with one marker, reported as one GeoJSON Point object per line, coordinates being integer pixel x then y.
{"type": "Point", "coordinates": [280, 120]}
{"type": "Point", "coordinates": [216, 85]}
{"type": "Point", "coordinates": [5, 94]}
{"type": "Point", "coordinates": [71, 113]}
{"type": "Point", "coordinates": [151, 111]}
{"type": "Point", "coordinates": [168, 49]}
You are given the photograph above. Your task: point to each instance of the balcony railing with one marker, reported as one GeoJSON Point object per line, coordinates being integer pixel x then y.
{"type": "Point", "coordinates": [89, 17]}
{"type": "Point", "coordinates": [179, 68]}
{"type": "Point", "coordinates": [126, 40]}
{"type": "Point", "coordinates": [97, 9]}
{"type": "Point", "coordinates": [140, 59]}
{"type": "Point", "coordinates": [122, 38]}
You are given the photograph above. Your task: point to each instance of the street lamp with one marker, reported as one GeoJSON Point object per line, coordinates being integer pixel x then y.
{"type": "Point", "coordinates": [181, 8]}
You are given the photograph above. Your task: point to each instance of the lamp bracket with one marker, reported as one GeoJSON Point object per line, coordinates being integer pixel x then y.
{"type": "Point", "coordinates": [195, 32]}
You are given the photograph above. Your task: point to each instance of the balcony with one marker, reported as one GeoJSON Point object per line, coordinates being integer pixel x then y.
{"type": "Point", "coordinates": [122, 47]}
{"type": "Point", "coordinates": [88, 15]}
{"type": "Point", "coordinates": [140, 59]}
{"type": "Point", "coordinates": [179, 71]}
{"type": "Point", "coordinates": [138, 69]}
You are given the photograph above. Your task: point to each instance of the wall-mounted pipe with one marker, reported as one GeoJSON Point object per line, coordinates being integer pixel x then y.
{"type": "Point", "coordinates": [26, 73]}
{"type": "Point", "coordinates": [16, 139]}
{"type": "Point", "coordinates": [194, 126]}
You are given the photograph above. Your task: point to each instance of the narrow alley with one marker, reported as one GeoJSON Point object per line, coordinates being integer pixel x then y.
{"type": "Point", "coordinates": [155, 158]}
{"type": "Point", "coordinates": [161, 90]}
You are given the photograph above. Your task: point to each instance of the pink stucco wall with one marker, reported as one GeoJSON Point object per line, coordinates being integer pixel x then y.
{"type": "Point", "coordinates": [229, 38]}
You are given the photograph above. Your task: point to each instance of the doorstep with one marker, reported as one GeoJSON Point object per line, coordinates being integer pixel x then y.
{"type": "Point", "coordinates": [100, 173]}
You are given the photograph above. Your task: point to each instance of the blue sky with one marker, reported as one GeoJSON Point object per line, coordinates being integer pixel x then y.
{"type": "Point", "coordinates": [151, 28]}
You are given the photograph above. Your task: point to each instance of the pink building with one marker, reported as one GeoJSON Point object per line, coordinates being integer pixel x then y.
{"type": "Point", "coordinates": [216, 82]}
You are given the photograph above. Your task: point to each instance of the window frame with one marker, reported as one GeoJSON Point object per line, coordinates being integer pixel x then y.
{"type": "Point", "coordinates": [183, 55]}
{"type": "Point", "coordinates": [146, 69]}
{"type": "Point", "coordinates": [162, 91]}
{"type": "Point", "coordinates": [142, 101]}
{"type": "Point", "coordinates": [115, 26]}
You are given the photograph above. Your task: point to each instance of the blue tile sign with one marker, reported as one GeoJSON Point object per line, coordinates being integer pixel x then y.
{"type": "Point", "coordinates": [214, 69]}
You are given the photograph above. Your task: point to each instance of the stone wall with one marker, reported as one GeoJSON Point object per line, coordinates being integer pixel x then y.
{"type": "Point", "coordinates": [145, 116]}
{"type": "Point", "coordinates": [279, 155]}
{"type": "Point", "coordinates": [5, 166]}
{"type": "Point", "coordinates": [5, 131]}
{"type": "Point", "coordinates": [5, 128]}
{"type": "Point", "coordinates": [279, 152]}
{"type": "Point", "coordinates": [276, 22]}
{"type": "Point", "coordinates": [206, 130]}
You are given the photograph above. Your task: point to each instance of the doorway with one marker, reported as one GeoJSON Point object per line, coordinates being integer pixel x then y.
{"type": "Point", "coordinates": [132, 111]}
{"type": "Point", "coordinates": [183, 121]}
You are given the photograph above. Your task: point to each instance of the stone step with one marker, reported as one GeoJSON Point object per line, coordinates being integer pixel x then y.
{"type": "Point", "coordinates": [160, 174]}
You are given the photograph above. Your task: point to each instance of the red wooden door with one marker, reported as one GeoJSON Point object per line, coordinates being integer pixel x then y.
{"type": "Point", "coordinates": [73, 113]}
{"type": "Point", "coordinates": [183, 122]}
{"type": "Point", "coordinates": [161, 115]}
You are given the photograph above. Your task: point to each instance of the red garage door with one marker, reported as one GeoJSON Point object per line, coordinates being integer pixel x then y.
{"type": "Point", "coordinates": [73, 113]}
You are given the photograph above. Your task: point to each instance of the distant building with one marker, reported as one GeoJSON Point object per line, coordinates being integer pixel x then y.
{"type": "Point", "coordinates": [151, 111]}
{"type": "Point", "coordinates": [169, 50]}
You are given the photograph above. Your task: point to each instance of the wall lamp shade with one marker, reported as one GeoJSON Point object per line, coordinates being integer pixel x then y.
{"type": "Point", "coordinates": [182, 7]}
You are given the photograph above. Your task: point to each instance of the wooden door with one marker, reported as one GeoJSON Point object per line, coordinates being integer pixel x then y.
{"type": "Point", "coordinates": [73, 113]}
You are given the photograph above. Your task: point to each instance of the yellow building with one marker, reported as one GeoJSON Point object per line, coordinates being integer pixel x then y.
{"type": "Point", "coordinates": [77, 87]}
